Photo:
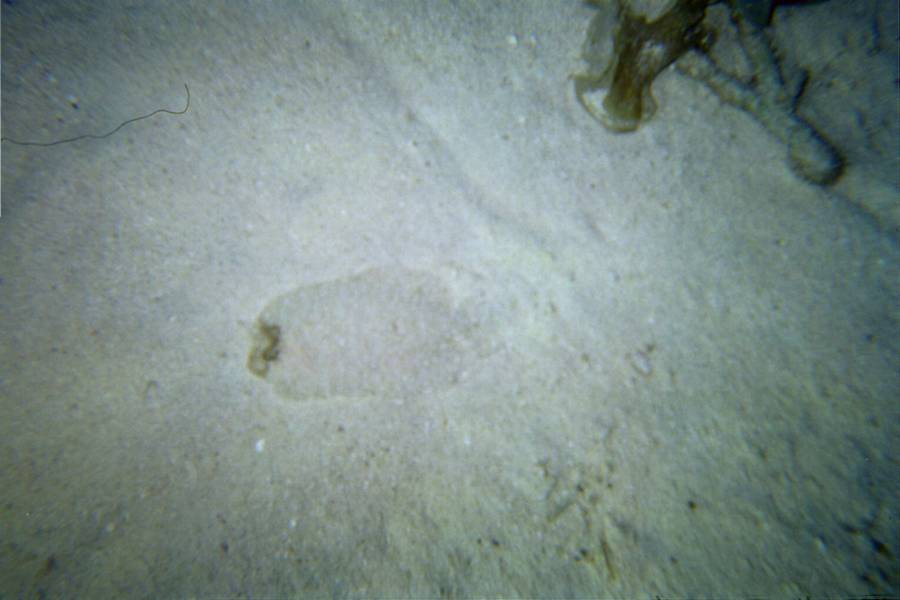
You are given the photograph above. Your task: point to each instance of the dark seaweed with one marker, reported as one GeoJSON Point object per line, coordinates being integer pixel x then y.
{"type": "Point", "coordinates": [642, 49]}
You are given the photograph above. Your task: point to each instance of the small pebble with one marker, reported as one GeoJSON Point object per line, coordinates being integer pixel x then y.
{"type": "Point", "coordinates": [640, 360]}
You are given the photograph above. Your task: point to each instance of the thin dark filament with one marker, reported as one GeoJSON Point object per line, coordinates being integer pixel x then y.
{"type": "Point", "coordinates": [105, 135]}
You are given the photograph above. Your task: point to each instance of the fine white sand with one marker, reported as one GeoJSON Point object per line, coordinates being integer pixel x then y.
{"type": "Point", "coordinates": [677, 362]}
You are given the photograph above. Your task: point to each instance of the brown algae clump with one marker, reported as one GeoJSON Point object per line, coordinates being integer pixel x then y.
{"type": "Point", "coordinates": [641, 50]}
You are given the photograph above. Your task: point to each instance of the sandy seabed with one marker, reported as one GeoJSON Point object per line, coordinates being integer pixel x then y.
{"type": "Point", "coordinates": [508, 352]}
